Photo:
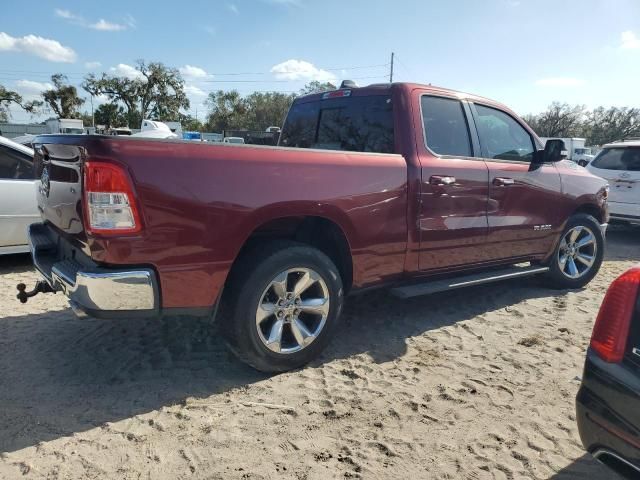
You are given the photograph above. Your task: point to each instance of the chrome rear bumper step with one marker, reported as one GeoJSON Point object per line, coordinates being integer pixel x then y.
{"type": "Point", "coordinates": [436, 286]}
{"type": "Point", "coordinates": [92, 290]}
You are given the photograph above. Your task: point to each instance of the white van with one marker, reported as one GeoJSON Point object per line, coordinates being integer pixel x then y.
{"type": "Point", "coordinates": [619, 163]}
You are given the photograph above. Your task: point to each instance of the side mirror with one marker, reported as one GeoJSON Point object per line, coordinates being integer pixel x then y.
{"type": "Point", "coordinates": [554, 151]}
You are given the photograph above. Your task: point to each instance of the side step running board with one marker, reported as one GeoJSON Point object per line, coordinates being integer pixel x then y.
{"type": "Point", "coordinates": [466, 281]}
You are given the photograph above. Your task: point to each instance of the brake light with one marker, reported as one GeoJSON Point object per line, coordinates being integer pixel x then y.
{"type": "Point", "coordinates": [109, 200]}
{"type": "Point", "coordinates": [611, 330]}
{"type": "Point", "coordinates": [336, 94]}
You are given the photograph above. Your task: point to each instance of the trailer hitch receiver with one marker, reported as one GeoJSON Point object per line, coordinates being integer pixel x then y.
{"type": "Point", "coordinates": [41, 287]}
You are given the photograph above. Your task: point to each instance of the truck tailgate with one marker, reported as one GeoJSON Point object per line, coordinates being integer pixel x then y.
{"type": "Point", "coordinates": [60, 194]}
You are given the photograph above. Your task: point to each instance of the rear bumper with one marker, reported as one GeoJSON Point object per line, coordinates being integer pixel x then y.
{"type": "Point", "coordinates": [93, 291]}
{"type": "Point", "coordinates": [605, 411]}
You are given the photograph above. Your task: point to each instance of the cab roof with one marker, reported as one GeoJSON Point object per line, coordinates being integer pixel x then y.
{"type": "Point", "coordinates": [386, 88]}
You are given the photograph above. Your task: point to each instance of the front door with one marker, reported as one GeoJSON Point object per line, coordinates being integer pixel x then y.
{"type": "Point", "coordinates": [454, 187]}
{"type": "Point", "coordinates": [520, 213]}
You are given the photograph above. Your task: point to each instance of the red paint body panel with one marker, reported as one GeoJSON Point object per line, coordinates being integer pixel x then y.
{"type": "Point", "coordinates": [200, 202]}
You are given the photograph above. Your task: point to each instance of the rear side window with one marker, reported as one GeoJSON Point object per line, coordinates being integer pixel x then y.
{"type": "Point", "coordinates": [445, 126]}
{"type": "Point", "coordinates": [618, 159]}
{"type": "Point", "coordinates": [15, 165]}
{"type": "Point", "coordinates": [356, 124]}
{"type": "Point", "coordinates": [501, 137]}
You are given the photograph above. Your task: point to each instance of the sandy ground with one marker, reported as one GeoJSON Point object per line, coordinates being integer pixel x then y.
{"type": "Point", "coordinates": [474, 384]}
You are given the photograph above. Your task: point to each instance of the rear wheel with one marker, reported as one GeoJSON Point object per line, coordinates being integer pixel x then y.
{"type": "Point", "coordinates": [579, 253]}
{"type": "Point", "coordinates": [285, 304]}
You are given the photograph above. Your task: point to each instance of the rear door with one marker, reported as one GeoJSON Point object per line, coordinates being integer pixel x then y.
{"type": "Point", "coordinates": [454, 185]}
{"type": "Point", "coordinates": [621, 167]}
{"type": "Point", "coordinates": [18, 206]}
{"type": "Point", "coordinates": [521, 216]}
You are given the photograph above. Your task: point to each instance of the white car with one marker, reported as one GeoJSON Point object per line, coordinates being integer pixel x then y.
{"type": "Point", "coordinates": [619, 163]}
{"type": "Point", "coordinates": [18, 205]}
{"type": "Point", "coordinates": [233, 140]}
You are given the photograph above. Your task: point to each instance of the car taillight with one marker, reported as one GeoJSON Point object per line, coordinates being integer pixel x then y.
{"type": "Point", "coordinates": [110, 203]}
{"type": "Point", "coordinates": [611, 330]}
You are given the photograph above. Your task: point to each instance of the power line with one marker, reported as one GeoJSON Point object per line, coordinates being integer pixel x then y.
{"type": "Point", "coordinates": [402, 64]}
{"type": "Point", "coordinates": [68, 74]}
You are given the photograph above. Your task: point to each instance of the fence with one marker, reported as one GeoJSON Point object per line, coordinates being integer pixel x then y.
{"type": "Point", "coordinates": [12, 130]}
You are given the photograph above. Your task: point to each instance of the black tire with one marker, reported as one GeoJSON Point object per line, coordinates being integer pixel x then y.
{"type": "Point", "coordinates": [248, 281]}
{"type": "Point", "coordinates": [560, 280]}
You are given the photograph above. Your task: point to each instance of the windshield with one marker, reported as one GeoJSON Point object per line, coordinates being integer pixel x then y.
{"type": "Point", "coordinates": [357, 124]}
{"type": "Point", "coordinates": [618, 159]}
{"type": "Point", "coordinates": [72, 130]}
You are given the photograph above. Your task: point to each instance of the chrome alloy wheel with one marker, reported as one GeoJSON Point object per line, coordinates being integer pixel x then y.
{"type": "Point", "coordinates": [293, 310]}
{"type": "Point", "coordinates": [577, 252]}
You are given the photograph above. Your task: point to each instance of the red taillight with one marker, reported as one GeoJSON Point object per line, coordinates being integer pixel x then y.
{"type": "Point", "coordinates": [611, 330]}
{"type": "Point", "coordinates": [109, 200]}
{"type": "Point", "coordinates": [336, 94]}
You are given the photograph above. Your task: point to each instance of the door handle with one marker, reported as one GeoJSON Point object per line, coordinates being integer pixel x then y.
{"type": "Point", "coordinates": [441, 180]}
{"type": "Point", "coordinates": [503, 182]}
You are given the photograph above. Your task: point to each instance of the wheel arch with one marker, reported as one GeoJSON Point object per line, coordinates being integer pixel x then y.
{"type": "Point", "coordinates": [319, 231]}
{"type": "Point", "coordinates": [590, 209]}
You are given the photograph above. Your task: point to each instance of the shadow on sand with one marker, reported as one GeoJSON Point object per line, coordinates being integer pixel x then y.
{"type": "Point", "coordinates": [120, 369]}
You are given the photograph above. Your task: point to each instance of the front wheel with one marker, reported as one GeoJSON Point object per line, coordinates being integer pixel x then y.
{"type": "Point", "coordinates": [285, 303]}
{"type": "Point", "coordinates": [579, 253]}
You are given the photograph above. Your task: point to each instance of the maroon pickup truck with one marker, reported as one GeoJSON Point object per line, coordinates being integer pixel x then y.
{"type": "Point", "coordinates": [411, 187]}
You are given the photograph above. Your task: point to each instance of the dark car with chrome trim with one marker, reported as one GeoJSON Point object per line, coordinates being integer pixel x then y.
{"type": "Point", "coordinates": [411, 187]}
{"type": "Point", "coordinates": [608, 402]}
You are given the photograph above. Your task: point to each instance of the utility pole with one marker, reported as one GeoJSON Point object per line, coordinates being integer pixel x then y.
{"type": "Point", "coordinates": [93, 118]}
{"type": "Point", "coordinates": [391, 72]}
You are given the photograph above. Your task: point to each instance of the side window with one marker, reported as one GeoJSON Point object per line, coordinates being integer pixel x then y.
{"type": "Point", "coordinates": [15, 165]}
{"type": "Point", "coordinates": [361, 124]}
{"type": "Point", "coordinates": [627, 158]}
{"type": "Point", "coordinates": [501, 137]}
{"type": "Point", "coordinates": [356, 124]}
{"type": "Point", "coordinates": [300, 126]}
{"type": "Point", "coordinates": [445, 126]}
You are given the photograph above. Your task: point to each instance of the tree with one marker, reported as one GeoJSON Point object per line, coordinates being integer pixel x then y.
{"type": "Point", "coordinates": [227, 111]}
{"type": "Point", "coordinates": [317, 87]}
{"type": "Point", "coordinates": [7, 97]}
{"type": "Point", "coordinates": [87, 119]}
{"type": "Point", "coordinates": [155, 92]}
{"type": "Point", "coordinates": [608, 125]}
{"type": "Point", "coordinates": [266, 109]}
{"type": "Point", "coordinates": [559, 120]}
{"type": "Point", "coordinates": [63, 98]}
{"type": "Point", "coordinates": [110, 115]}
{"type": "Point", "coordinates": [191, 124]}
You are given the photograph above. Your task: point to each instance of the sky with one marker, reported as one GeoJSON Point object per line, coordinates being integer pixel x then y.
{"type": "Point", "coordinates": [524, 53]}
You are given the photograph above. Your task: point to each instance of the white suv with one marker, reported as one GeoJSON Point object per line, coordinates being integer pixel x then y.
{"type": "Point", "coordinates": [619, 163]}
